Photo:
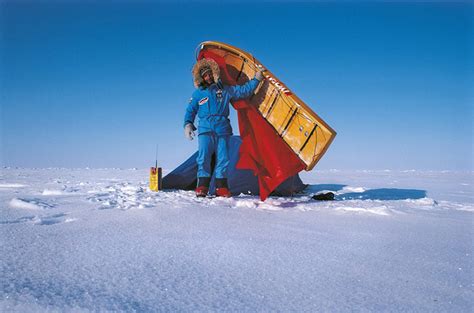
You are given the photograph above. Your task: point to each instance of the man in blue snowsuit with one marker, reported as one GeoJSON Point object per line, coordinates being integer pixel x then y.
{"type": "Point", "coordinates": [210, 102]}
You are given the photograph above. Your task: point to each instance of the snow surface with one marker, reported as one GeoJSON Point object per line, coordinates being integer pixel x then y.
{"type": "Point", "coordinates": [99, 240]}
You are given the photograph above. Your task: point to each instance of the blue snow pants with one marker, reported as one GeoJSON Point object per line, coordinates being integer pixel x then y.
{"type": "Point", "coordinates": [210, 143]}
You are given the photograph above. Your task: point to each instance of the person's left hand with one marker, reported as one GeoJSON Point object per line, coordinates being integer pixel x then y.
{"type": "Point", "coordinates": [259, 76]}
{"type": "Point", "coordinates": [189, 131]}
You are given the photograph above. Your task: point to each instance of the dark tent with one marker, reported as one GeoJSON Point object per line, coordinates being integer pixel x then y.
{"type": "Point", "coordinates": [240, 181]}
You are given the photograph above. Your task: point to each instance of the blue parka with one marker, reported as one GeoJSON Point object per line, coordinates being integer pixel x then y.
{"type": "Point", "coordinates": [211, 105]}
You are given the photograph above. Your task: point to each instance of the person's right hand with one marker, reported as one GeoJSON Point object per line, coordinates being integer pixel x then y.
{"type": "Point", "coordinates": [189, 131]}
{"type": "Point", "coordinates": [259, 75]}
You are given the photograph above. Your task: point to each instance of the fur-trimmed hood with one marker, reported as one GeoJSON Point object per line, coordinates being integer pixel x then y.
{"type": "Point", "coordinates": [198, 81]}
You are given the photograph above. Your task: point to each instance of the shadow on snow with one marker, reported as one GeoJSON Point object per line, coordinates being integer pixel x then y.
{"type": "Point", "coordinates": [371, 194]}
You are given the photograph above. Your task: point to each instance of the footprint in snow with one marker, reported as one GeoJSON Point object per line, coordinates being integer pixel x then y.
{"type": "Point", "coordinates": [29, 204]}
{"type": "Point", "coordinates": [53, 219]}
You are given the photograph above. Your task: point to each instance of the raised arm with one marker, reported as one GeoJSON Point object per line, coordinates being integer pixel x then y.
{"type": "Point", "coordinates": [244, 91]}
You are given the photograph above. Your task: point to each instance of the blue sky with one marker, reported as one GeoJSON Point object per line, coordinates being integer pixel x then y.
{"type": "Point", "coordinates": [99, 84]}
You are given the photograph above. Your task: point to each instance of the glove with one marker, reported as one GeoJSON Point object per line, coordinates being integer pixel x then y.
{"type": "Point", "coordinates": [259, 76]}
{"type": "Point", "coordinates": [189, 131]}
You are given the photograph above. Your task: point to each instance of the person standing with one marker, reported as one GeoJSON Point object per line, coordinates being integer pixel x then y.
{"type": "Point", "coordinates": [210, 102]}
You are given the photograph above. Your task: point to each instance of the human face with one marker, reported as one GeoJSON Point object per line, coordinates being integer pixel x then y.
{"type": "Point", "coordinates": [208, 78]}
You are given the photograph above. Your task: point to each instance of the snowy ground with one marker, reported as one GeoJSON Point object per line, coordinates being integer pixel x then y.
{"type": "Point", "coordinates": [99, 240]}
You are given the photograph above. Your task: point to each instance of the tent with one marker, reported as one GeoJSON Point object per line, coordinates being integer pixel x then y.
{"type": "Point", "coordinates": [240, 181]}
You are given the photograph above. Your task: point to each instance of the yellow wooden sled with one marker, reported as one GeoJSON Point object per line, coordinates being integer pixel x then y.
{"type": "Point", "coordinates": [302, 129]}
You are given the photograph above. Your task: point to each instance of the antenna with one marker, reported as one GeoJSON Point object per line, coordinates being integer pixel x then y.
{"type": "Point", "coordinates": [156, 156]}
{"type": "Point", "coordinates": [155, 174]}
